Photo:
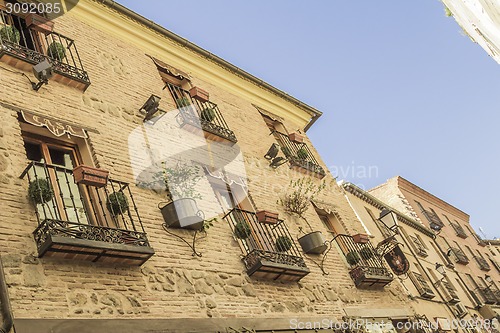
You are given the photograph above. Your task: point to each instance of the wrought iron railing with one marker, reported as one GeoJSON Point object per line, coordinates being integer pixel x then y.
{"type": "Point", "coordinates": [421, 284]}
{"type": "Point", "coordinates": [488, 295]}
{"type": "Point", "coordinates": [200, 114]}
{"type": "Point", "coordinates": [361, 255]}
{"type": "Point", "coordinates": [450, 293]}
{"type": "Point", "coordinates": [32, 46]}
{"type": "Point", "coordinates": [433, 218]}
{"type": "Point", "coordinates": [63, 208]}
{"type": "Point", "coordinates": [459, 230]}
{"type": "Point", "coordinates": [298, 154]}
{"type": "Point", "coordinates": [460, 256]}
{"type": "Point", "coordinates": [482, 263]}
{"type": "Point", "coordinates": [419, 247]}
{"type": "Point", "coordinates": [269, 241]}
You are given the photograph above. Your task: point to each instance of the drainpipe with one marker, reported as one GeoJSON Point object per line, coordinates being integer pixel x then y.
{"type": "Point", "coordinates": [4, 303]}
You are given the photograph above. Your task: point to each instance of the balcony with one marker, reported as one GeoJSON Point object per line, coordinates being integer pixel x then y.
{"type": "Point", "coordinates": [433, 218]}
{"type": "Point", "coordinates": [458, 255]}
{"type": "Point", "coordinates": [422, 286]}
{"type": "Point", "coordinates": [488, 295]}
{"type": "Point", "coordinates": [459, 230]}
{"type": "Point", "coordinates": [299, 155]}
{"type": "Point", "coordinates": [419, 247]}
{"type": "Point", "coordinates": [270, 252]}
{"type": "Point", "coordinates": [367, 268]}
{"type": "Point", "coordinates": [449, 292]}
{"type": "Point", "coordinates": [199, 117]}
{"type": "Point", "coordinates": [482, 263]}
{"type": "Point", "coordinates": [26, 47]}
{"type": "Point", "coordinates": [82, 222]}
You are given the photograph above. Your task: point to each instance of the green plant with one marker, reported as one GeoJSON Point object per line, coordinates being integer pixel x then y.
{"type": "Point", "coordinates": [242, 229]}
{"type": "Point", "coordinates": [286, 151]}
{"type": "Point", "coordinates": [56, 51]}
{"type": "Point", "coordinates": [40, 191]}
{"type": "Point", "coordinates": [10, 33]}
{"type": "Point", "coordinates": [447, 11]}
{"type": "Point", "coordinates": [353, 258]}
{"type": "Point", "coordinates": [366, 253]}
{"type": "Point", "coordinates": [208, 114]}
{"type": "Point", "coordinates": [182, 102]}
{"type": "Point", "coordinates": [207, 224]}
{"type": "Point", "coordinates": [117, 203]}
{"type": "Point", "coordinates": [180, 181]}
{"type": "Point", "coordinates": [302, 153]}
{"type": "Point", "coordinates": [283, 244]}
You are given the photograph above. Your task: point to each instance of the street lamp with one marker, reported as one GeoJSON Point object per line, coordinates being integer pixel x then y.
{"type": "Point", "coordinates": [441, 270]}
{"type": "Point", "coordinates": [488, 280]}
{"type": "Point", "coordinates": [389, 219]}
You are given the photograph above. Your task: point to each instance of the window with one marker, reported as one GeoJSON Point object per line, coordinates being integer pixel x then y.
{"type": "Point", "coordinates": [419, 245]}
{"type": "Point", "coordinates": [329, 221]}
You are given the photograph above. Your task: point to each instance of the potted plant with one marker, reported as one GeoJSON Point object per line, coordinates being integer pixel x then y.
{"type": "Point", "coordinates": [182, 102]}
{"type": "Point", "coordinates": [208, 114]}
{"type": "Point", "coordinates": [90, 176]}
{"type": "Point", "coordinates": [39, 23]}
{"type": "Point", "coordinates": [296, 201]}
{"type": "Point", "coordinates": [296, 137]}
{"type": "Point", "coordinates": [242, 229]}
{"type": "Point", "coordinates": [199, 94]}
{"type": "Point", "coordinates": [117, 203]}
{"type": "Point", "coordinates": [302, 153]}
{"type": "Point", "coordinates": [286, 151]}
{"type": "Point", "coordinates": [181, 211]}
{"type": "Point", "coordinates": [40, 191]}
{"type": "Point", "coordinates": [283, 244]}
{"type": "Point", "coordinates": [352, 258]}
{"type": "Point", "coordinates": [56, 51]}
{"type": "Point", "coordinates": [360, 238]}
{"type": "Point", "coordinates": [267, 217]}
{"type": "Point", "coordinates": [10, 34]}
{"type": "Point", "coordinates": [366, 253]}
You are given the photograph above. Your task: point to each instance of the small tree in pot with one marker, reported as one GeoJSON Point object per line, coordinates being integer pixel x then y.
{"type": "Point", "coordinates": [296, 201]}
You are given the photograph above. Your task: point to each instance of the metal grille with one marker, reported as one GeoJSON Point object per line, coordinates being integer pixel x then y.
{"type": "Point", "coordinates": [107, 214]}
{"type": "Point", "coordinates": [482, 263]}
{"type": "Point", "coordinates": [298, 154]}
{"type": "Point", "coordinates": [459, 230]}
{"type": "Point", "coordinates": [488, 295]}
{"type": "Point", "coordinates": [421, 284]}
{"type": "Point", "coordinates": [450, 294]}
{"type": "Point", "coordinates": [205, 115]}
{"type": "Point", "coordinates": [34, 47]}
{"type": "Point", "coordinates": [432, 217]}
{"type": "Point", "coordinates": [460, 256]}
{"type": "Point", "coordinates": [419, 247]}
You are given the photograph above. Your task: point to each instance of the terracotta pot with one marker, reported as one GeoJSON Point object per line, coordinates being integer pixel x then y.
{"type": "Point", "coordinates": [199, 94]}
{"type": "Point", "coordinates": [296, 137]}
{"type": "Point", "coordinates": [360, 238]}
{"type": "Point", "coordinates": [90, 176]}
{"type": "Point", "coordinates": [39, 23]}
{"type": "Point", "coordinates": [265, 216]}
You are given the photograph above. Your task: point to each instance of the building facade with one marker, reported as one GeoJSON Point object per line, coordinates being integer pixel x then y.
{"type": "Point", "coordinates": [141, 179]}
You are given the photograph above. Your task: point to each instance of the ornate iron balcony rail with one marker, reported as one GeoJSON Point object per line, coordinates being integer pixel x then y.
{"type": "Point", "coordinates": [270, 250]}
{"type": "Point", "coordinates": [204, 115]}
{"type": "Point", "coordinates": [421, 284]}
{"type": "Point", "coordinates": [460, 256]}
{"type": "Point", "coordinates": [299, 154]}
{"type": "Point", "coordinates": [459, 230]}
{"type": "Point", "coordinates": [488, 295]}
{"type": "Point", "coordinates": [419, 247]}
{"type": "Point", "coordinates": [482, 263]}
{"type": "Point", "coordinates": [450, 293]}
{"type": "Point", "coordinates": [31, 46]}
{"type": "Point", "coordinates": [76, 214]}
{"type": "Point", "coordinates": [432, 217]}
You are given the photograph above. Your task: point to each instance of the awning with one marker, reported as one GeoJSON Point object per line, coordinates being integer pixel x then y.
{"type": "Point", "coordinates": [170, 70]}
{"type": "Point", "coordinates": [55, 126]}
{"type": "Point", "coordinates": [226, 177]}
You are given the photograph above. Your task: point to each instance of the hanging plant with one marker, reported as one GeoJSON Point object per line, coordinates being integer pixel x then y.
{"type": "Point", "coordinates": [117, 203]}
{"type": "Point", "coordinates": [182, 102]}
{"type": "Point", "coordinates": [283, 243]}
{"type": "Point", "coordinates": [208, 114]}
{"type": "Point", "coordinates": [302, 153]}
{"type": "Point", "coordinates": [242, 230]}
{"type": "Point", "coordinates": [353, 258]}
{"type": "Point", "coordinates": [10, 34]}
{"type": "Point", "coordinates": [56, 51]}
{"type": "Point", "coordinates": [40, 191]}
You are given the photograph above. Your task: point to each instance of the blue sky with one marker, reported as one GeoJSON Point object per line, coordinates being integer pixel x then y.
{"type": "Point", "coordinates": [403, 90]}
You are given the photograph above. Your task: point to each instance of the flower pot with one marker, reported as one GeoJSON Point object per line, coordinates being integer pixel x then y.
{"type": "Point", "coordinates": [296, 137]}
{"type": "Point", "coordinates": [90, 176]}
{"type": "Point", "coordinates": [183, 213]}
{"type": "Point", "coordinates": [199, 94]}
{"type": "Point", "coordinates": [39, 23]}
{"type": "Point", "coordinates": [265, 216]}
{"type": "Point", "coordinates": [360, 238]}
{"type": "Point", "coordinates": [313, 243]}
